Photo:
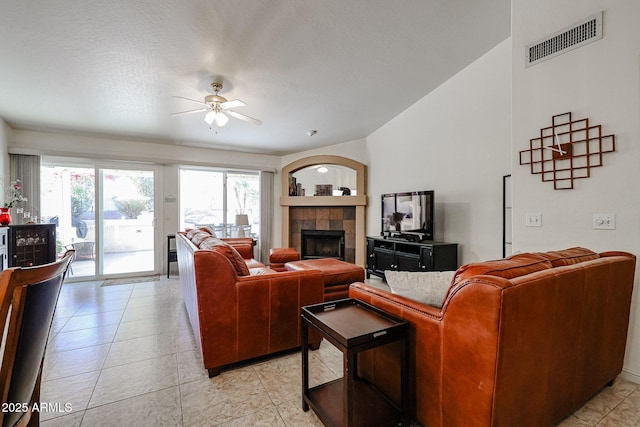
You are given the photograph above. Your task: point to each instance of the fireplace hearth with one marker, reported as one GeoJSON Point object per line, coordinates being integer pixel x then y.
{"type": "Point", "coordinates": [322, 244]}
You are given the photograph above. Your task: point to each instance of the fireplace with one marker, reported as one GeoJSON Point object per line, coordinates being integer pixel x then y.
{"type": "Point", "coordinates": [322, 244]}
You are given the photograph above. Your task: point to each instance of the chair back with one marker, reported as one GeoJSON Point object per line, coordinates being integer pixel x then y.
{"type": "Point", "coordinates": [28, 298]}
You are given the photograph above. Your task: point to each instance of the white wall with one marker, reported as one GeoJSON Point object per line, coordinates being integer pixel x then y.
{"type": "Point", "coordinates": [599, 81]}
{"type": "Point", "coordinates": [455, 141]}
{"type": "Point", "coordinates": [355, 150]}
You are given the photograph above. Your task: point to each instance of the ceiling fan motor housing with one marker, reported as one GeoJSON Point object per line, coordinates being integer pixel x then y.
{"type": "Point", "coordinates": [214, 99]}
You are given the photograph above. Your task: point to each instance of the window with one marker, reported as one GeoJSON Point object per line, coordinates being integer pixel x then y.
{"type": "Point", "coordinates": [214, 198]}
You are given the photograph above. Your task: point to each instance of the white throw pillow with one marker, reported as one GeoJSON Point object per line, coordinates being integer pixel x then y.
{"type": "Point", "coordinates": [428, 287]}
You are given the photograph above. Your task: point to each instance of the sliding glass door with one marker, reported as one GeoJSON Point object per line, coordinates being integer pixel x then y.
{"type": "Point", "coordinates": [67, 199]}
{"type": "Point", "coordinates": [106, 214]}
{"type": "Point", "coordinates": [127, 221]}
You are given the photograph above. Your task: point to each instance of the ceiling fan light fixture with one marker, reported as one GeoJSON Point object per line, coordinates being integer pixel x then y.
{"type": "Point", "coordinates": [218, 117]}
{"type": "Point", "coordinates": [221, 119]}
{"type": "Point", "coordinates": [210, 117]}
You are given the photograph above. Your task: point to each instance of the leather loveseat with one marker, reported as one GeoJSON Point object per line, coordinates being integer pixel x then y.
{"type": "Point", "coordinates": [238, 308]}
{"type": "Point", "coordinates": [523, 341]}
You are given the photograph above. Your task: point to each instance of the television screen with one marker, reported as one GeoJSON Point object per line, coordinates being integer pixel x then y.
{"type": "Point", "coordinates": [408, 212]}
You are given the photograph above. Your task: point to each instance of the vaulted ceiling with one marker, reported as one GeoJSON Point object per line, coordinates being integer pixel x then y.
{"type": "Point", "coordinates": [341, 67]}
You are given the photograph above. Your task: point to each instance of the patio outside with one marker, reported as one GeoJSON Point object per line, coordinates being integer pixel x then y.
{"type": "Point", "coordinates": [114, 262]}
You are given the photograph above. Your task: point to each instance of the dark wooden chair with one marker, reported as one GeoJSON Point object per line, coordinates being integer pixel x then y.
{"type": "Point", "coordinates": [28, 298]}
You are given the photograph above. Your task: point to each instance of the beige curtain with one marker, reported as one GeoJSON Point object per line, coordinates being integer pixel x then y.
{"type": "Point", "coordinates": [27, 170]}
{"type": "Point", "coordinates": [266, 215]}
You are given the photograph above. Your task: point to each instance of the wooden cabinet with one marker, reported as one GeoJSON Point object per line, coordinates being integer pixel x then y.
{"type": "Point", "coordinates": [31, 244]}
{"type": "Point", "coordinates": [401, 255]}
{"type": "Point", "coordinates": [4, 239]}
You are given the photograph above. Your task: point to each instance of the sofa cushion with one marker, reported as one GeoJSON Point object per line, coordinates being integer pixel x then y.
{"type": "Point", "coordinates": [260, 271]}
{"type": "Point", "coordinates": [208, 229]}
{"type": "Point", "coordinates": [191, 232]}
{"type": "Point", "coordinates": [570, 256]}
{"type": "Point", "coordinates": [508, 268]}
{"type": "Point", "coordinates": [252, 263]}
{"type": "Point", "coordinates": [215, 244]}
{"type": "Point", "coordinates": [428, 287]}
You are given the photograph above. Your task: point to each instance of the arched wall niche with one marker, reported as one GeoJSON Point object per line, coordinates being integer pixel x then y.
{"type": "Point", "coordinates": [326, 212]}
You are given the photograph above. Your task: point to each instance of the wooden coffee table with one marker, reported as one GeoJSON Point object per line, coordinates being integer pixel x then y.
{"type": "Point", "coordinates": [353, 326]}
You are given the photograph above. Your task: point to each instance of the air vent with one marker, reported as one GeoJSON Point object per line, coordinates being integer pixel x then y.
{"type": "Point", "coordinates": [580, 34]}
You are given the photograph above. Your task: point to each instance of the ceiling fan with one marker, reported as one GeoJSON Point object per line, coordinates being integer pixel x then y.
{"type": "Point", "coordinates": [218, 107]}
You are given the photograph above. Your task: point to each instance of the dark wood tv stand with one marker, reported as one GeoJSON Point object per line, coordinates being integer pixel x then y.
{"type": "Point", "coordinates": [403, 255]}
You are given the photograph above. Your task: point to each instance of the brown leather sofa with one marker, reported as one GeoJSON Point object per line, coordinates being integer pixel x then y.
{"type": "Point", "coordinates": [237, 312]}
{"type": "Point", "coordinates": [523, 341]}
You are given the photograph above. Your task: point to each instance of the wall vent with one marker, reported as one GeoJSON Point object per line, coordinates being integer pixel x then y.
{"type": "Point", "coordinates": [580, 34]}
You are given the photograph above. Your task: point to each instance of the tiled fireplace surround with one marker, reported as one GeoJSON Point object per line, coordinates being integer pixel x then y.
{"type": "Point", "coordinates": [324, 218]}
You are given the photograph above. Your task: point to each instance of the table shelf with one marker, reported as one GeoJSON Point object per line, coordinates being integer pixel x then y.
{"type": "Point", "coordinates": [370, 406]}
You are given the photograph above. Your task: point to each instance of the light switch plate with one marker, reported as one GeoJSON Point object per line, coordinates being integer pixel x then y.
{"type": "Point", "coordinates": [604, 221]}
{"type": "Point", "coordinates": [533, 219]}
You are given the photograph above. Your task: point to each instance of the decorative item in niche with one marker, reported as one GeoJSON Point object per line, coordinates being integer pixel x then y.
{"type": "Point", "coordinates": [293, 186]}
{"type": "Point", "coordinates": [324, 190]}
{"type": "Point", "coordinates": [346, 191]}
{"type": "Point", "coordinates": [567, 150]}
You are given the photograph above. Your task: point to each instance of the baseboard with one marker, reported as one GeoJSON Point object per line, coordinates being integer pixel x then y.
{"type": "Point", "coordinates": [629, 375]}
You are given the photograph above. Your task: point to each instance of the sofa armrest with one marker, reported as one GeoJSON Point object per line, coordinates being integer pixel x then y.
{"type": "Point", "coordinates": [244, 245]}
{"type": "Point", "coordinates": [245, 251]}
{"type": "Point", "coordinates": [617, 253]}
{"type": "Point", "coordinates": [239, 240]}
{"type": "Point", "coordinates": [359, 290]}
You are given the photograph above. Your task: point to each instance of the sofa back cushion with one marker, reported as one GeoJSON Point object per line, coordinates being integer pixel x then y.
{"type": "Point", "coordinates": [193, 231]}
{"type": "Point", "coordinates": [570, 256]}
{"type": "Point", "coordinates": [197, 236]}
{"type": "Point", "coordinates": [215, 244]}
{"type": "Point", "coordinates": [508, 268]}
{"type": "Point", "coordinates": [208, 229]}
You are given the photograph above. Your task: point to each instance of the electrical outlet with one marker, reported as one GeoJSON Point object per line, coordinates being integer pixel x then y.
{"type": "Point", "coordinates": [533, 219]}
{"type": "Point", "coordinates": [604, 221]}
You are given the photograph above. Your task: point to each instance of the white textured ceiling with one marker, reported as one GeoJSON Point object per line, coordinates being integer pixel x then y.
{"type": "Point", "coordinates": [343, 67]}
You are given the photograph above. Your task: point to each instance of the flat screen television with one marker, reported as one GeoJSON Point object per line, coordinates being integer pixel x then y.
{"type": "Point", "coordinates": [407, 213]}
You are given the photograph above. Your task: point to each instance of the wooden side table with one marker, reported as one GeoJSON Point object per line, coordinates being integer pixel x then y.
{"type": "Point", "coordinates": [353, 326]}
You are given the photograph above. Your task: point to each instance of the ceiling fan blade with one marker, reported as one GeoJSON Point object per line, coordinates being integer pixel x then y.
{"type": "Point", "coordinates": [197, 110]}
{"type": "Point", "coordinates": [232, 104]}
{"type": "Point", "coordinates": [189, 99]}
{"type": "Point", "coordinates": [243, 117]}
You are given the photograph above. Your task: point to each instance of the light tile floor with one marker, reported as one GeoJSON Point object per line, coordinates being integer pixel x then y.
{"type": "Point", "coordinates": [125, 355]}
